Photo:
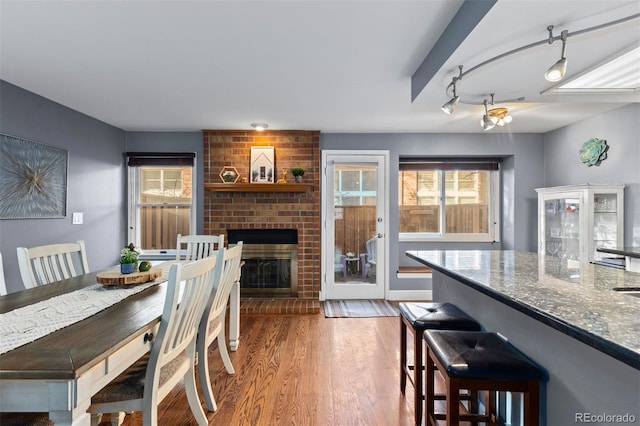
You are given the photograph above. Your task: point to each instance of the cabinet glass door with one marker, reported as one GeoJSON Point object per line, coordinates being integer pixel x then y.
{"type": "Point", "coordinates": [562, 227]}
{"type": "Point", "coordinates": [605, 226]}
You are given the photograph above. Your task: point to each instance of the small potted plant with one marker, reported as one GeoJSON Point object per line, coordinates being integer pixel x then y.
{"type": "Point", "coordinates": [129, 259]}
{"type": "Point", "coordinates": [297, 173]}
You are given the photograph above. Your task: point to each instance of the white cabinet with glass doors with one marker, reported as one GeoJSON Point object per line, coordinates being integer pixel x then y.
{"type": "Point", "coordinates": [574, 220]}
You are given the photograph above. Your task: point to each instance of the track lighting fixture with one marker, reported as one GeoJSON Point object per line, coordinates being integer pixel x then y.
{"type": "Point", "coordinates": [451, 105]}
{"type": "Point", "coordinates": [487, 122]}
{"type": "Point", "coordinates": [557, 70]}
{"type": "Point", "coordinates": [494, 117]}
{"type": "Point", "coordinates": [500, 116]}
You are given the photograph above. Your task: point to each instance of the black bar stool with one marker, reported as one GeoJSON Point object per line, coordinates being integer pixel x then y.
{"type": "Point", "coordinates": [477, 361]}
{"type": "Point", "coordinates": [418, 317]}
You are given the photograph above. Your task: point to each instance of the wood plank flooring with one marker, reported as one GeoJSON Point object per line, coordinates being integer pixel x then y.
{"type": "Point", "coordinates": [304, 370]}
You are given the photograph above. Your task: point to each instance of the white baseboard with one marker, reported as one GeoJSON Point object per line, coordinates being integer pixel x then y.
{"type": "Point", "coordinates": [410, 295]}
{"type": "Point", "coordinates": [422, 275]}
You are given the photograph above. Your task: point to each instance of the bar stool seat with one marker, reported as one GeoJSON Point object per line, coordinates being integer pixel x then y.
{"type": "Point", "coordinates": [418, 317]}
{"type": "Point", "coordinates": [478, 361]}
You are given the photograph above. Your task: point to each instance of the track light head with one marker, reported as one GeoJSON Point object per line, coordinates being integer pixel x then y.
{"type": "Point", "coordinates": [488, 121]}
{"type": "Point", "coordinates": [557, 71]}
{"type": "Point", "coordinates": [451, 105]}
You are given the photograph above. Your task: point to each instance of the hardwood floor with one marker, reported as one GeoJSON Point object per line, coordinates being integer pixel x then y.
{"type": "Point", "coordinates": [304, 370]}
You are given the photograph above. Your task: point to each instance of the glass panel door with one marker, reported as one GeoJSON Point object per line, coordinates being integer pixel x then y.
{"type": "Point", "coordinates": [354, 218]}
{"type": "Point", "coordinates": [605, 222]}
{"type": "Point", "coordinates": [562, 227]}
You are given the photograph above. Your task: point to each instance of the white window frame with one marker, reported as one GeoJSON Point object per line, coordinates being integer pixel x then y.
{"type": "Point", "coordinates": [494, 218]}
{"type": "Point", "coordinates": [133, 207]}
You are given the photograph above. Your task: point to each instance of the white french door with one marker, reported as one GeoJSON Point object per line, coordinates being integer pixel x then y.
{"type": "Point", "coordinates": [354, 224]}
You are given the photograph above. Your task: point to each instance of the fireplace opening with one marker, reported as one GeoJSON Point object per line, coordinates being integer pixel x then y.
{"type": "Point", "coordinates": [270, 261]}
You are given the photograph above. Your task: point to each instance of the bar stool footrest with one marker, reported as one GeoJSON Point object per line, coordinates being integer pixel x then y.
{"type": "Point", "coordinates": [476, 418]}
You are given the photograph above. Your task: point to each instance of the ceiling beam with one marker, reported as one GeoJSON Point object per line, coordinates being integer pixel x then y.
{"type": "Point", "coordinates": [465, 20]}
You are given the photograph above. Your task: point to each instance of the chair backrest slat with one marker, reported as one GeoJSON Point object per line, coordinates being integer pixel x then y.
{"type": "Point", "coordinates": [198, 246]}
{"type": "Point", "coordinates": [3, 284]}
{"type": "Point", "coordinates": [54, 262]}
{"type": "Point", "coordinates": [70, 270]}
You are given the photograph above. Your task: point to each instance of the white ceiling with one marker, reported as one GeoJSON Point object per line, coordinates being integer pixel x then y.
{"type": "Point", "coordinates": [333, 65]}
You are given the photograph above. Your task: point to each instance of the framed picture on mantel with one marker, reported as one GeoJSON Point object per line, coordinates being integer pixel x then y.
{"type": "Point", "coordinates": [262, 164]}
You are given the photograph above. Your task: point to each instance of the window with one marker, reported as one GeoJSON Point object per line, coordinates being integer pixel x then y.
{"type": "Point", "coordinates": [161, 200]}
{"type": "Point", "coordinates": [355, 186]}
{"type": "Point", "coordinates": [448, 199]}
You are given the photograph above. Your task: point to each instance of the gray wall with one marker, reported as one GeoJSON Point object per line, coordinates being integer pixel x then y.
{"type": "Point", "coordinates": [522, 172]}
{"type": "Point", "coordinates": [96, 180]}
{"type": "Point", "coordinates": [174, 142]}
{"type": "Point", "coordinates": [621, 129]}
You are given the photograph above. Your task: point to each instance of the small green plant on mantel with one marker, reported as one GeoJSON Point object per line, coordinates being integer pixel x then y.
{"type": "Point", "coordinates": [297, 173]}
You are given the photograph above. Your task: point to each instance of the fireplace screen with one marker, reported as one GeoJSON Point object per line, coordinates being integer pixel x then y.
{"type": "Point", "coordinates": [269, 269]}
{"type": "Point", "coordinates": [270, 261]}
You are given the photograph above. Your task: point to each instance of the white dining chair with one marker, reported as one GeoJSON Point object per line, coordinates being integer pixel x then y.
{"type": "Point", "coordinates": [212, 325]}
{"type": "Point", "coordinates": [3, 284]}
{"type": "Point", "coordinates": [172, 357]}
{"type": "Point", "coordinates": [198, 246]}
{"type": "Point", "coordinates": [54, 262]}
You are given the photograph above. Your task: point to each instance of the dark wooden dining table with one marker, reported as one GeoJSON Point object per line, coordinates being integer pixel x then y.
{"type": "Point", "coordinates": [59, 372]}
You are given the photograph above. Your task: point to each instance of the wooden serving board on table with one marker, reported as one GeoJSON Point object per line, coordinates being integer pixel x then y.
{"type": "Point", "coordinates": [114, 277]}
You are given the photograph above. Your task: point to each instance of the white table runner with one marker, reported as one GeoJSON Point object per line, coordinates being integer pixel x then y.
{"type": "Point", "coordinates": [26, 324]}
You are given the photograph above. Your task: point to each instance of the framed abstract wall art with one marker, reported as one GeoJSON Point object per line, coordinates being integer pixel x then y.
{"type": "Point", "coordinates": [262, 164]}
{"type": "Point", "coordinates": [33, 179]}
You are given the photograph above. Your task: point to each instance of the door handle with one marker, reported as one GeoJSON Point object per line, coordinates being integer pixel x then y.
{"type": "Point", "coordinates": [379, 235]}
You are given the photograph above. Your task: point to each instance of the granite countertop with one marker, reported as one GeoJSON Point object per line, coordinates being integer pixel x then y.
{"type": "Point", "coordinates": [576, 299]}
{"type": "Point", "coordinates": [624, 251]}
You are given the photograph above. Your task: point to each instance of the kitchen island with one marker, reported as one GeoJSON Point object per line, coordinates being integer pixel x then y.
{"type": "Point", "coordinates": [578, 323]}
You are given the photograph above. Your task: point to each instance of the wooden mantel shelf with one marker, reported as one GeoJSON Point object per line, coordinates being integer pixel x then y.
{"type": "Point", "coordinates": [258, 187]}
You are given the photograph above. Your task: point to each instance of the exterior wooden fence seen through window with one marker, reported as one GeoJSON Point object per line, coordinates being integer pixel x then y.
{"type": "Point", "coordinates": [460, 218]}
{"type": "Point", "coordinates": [160, 226]}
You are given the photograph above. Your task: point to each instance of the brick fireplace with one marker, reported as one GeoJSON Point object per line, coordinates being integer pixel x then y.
{"type": "Point", "coordinates": [264, 206]}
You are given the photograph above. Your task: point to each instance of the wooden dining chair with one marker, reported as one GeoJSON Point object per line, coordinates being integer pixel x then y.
{"type": "Point", "coordinates": [172, 357]}
{"type": "Point", "coordinates": [198, 246]}
{"type": "Point", "coordinates": [54, 262]}
{"type": "Point", "coordinates": [212, 325]}
{"type": "Point", "coordinates": [3, 284]}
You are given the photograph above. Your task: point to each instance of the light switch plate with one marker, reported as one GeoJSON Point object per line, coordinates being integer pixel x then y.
{"type": "Point", "coordinates": [77, 218]}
